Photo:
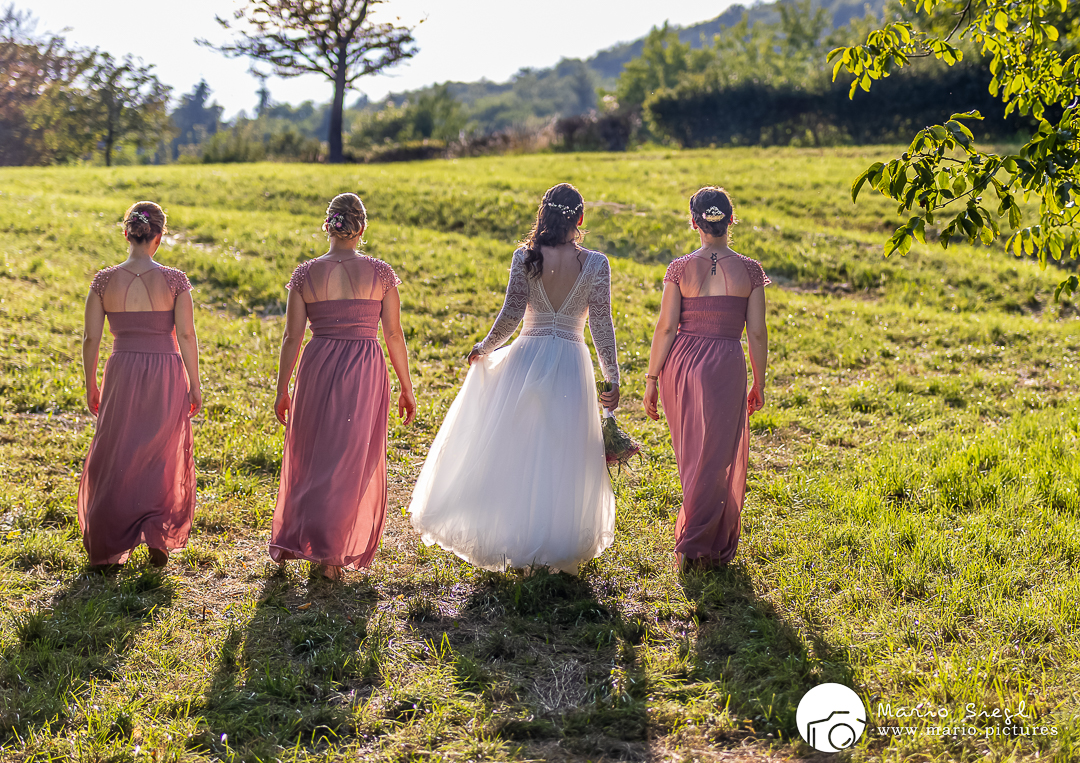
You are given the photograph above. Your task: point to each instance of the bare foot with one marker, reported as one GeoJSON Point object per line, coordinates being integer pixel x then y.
{"type": "Point", "coordinates": [159, 557]}
{"type": "Point", "coordinates": [331, 572]}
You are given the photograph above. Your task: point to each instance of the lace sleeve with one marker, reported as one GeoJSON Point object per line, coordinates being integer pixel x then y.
{"type": "Point", "coordinates": [513, 309]}
{"type": "Point", "coordinates": [756, 272]}
{"type": "Point", "coordinates": [600, 324]}
{"type": "Point", "coordinates": [387, 275]}
{"type": "Point", "coordinates": [298, 277]}
{"type": "Point", "coordinates": [101, 280]}
{"type": "Point", "coordinates": [177, 281]}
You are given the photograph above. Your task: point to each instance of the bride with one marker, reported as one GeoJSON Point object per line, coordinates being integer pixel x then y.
{"type": "Point", "coordinates": [516, 476]}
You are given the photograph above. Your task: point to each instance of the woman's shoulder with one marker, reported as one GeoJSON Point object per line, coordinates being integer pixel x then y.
{"type": "Point", "coordinates": [675, 268]}
{"type": "Point", "coordinates": [176, 279]}
{"type": "Point", "coordinates": [754, 269]}
{"type": "Point", "coordinates": [101, 279]}
{"type": "Point", "coordinates": [296, 281]}
{"type": "Point", "coordinates": [385, 272]}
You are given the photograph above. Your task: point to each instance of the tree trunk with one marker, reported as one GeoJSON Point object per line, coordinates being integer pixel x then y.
{"type": "Point", "coordinates": [108, 146]}
{"type": "Point", "coordinates": [337, 155]}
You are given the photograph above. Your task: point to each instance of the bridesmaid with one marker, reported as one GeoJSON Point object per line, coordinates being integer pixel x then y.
{"type": "Point", "coordinates": [138, 482]}
{"type": "Point", "coordinates": [332, 497]}
{"type": "Point", "coordinates": [697, 368]}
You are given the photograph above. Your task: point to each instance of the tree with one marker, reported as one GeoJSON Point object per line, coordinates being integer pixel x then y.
{"type": "Point", "coordinates": [124, 102]}
{"type": "Point", "coordinates": [333, 38]}
{"type": "Point", "coordinates": [36, 74]}
{"type": "Point", "coordinates": [196, 120]}
{"type": "Point", "coordinates": [1030, 49]}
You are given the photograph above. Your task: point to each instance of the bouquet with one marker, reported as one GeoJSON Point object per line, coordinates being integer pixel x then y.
{"type": "Point", "coordinates": [619, 447]}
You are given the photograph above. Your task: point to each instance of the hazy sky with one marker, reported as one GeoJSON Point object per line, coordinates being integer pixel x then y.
{"type": "Point", "coordinates": [463, 40]}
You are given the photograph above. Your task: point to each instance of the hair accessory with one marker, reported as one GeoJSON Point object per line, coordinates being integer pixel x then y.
{"type": "Point", "coordinates": [568, 211]}
{"type": "Point", "coordinates": [714, 215]}
{"type": "Point", "coordinates": [336, 220]}
{"type": "Point", "coordinates": [139, 217]}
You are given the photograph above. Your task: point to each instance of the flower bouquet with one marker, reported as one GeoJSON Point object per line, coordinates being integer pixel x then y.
{"type": "Point", "coordinates": [619, 447]}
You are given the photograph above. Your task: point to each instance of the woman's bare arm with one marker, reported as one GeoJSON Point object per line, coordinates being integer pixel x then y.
{"type": "Point", "coordinates": [399, 353]}
{"type": "Point", "coordinates": [757, 337]}
{"type": "Point", "coordinates": [93, 327]}
{"type": "Point", "coordinates": [667, 325]}
{"type": "Point", "coordinates": [184, 318]}
{"type": "Point", "coordinates": [295, 326]}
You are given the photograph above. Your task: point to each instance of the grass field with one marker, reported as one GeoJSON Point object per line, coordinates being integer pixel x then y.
{"type": "Point", "coordinates": [911, 526]}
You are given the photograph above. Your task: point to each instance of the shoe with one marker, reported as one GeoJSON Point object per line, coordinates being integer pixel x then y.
{"type": "Point", "coordinates": [331, 572]}
{"type": "Point", "coordinates": [159, 557]}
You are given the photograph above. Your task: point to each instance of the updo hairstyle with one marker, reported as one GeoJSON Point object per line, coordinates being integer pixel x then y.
{"type": "Point", "coordinates": [556, 223]}
{"type": "Point", "coordinates": [345, 217]}
{"type": "Point", "coordinates": [144, 221]}
{"type": "Point", "coordinates": [712, 211]}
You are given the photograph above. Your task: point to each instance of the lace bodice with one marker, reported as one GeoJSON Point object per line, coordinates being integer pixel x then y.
{"type": "Point", "coordinates": [590, 297]}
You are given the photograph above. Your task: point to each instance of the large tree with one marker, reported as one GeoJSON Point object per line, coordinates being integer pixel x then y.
{"type": "Point", "coordinates": [1030, 48]}
{"type": "Point", "coordinates": [124, 103]}
{"type": "Point", "coordinates": [333, 38]}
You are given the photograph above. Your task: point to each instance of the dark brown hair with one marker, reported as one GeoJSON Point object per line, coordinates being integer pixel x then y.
{"type": "Point", "coordinates": [712, 202]}
{"type": "Point", "coordinates": [556, 223]}
{"type": "Point", "coordinates": [144, 221]}
{"type": "Point", "coordinates": [345, 216]}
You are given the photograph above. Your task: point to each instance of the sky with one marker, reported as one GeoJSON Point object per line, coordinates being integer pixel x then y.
{"type": "Point", "coordinates": [463, 41]}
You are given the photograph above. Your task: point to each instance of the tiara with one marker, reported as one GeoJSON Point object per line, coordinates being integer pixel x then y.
{"type": "Point", "coordinates": [568, 211]}
{"type": "Point", "coordinates": [713, 215]}
{"type": "Point", "coordinates": [139, 217]}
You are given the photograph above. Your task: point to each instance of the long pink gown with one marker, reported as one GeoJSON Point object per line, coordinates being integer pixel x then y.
{"type": "Point", "coordinates": [332, 497]}
{"type": "Point", "coordinates": [703, 390]}
{"type": "Point", "coordinates": [138, 480]}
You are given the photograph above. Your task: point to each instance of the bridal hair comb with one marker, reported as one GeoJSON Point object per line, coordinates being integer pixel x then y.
{"type": "Point", "coordinates": [568, 211]}
{"type": "Point", "coordinates": [139, 217]}
{"type": "Point", "coordinates": [336, 221]}
{"type": "Point", "coordinates": [714, 215]}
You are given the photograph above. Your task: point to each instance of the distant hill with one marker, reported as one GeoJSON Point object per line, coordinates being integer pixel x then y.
{"type": "Point", "coordinates": [532, 96]}
{"type": "Point", "coordinates": [609, 63]}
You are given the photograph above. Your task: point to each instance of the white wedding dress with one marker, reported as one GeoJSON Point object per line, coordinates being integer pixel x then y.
{"type": "Point", "coordinates": [516, 475]}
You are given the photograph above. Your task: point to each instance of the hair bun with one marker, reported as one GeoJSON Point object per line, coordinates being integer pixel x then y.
{"type": "Point", "coordinates": [346, 216]}
{"type": "Point", "coordinates": [144, 221]}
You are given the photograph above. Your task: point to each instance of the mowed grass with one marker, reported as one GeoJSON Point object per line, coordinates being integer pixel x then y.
{"type": "Point", "coordinates": [911, 526]}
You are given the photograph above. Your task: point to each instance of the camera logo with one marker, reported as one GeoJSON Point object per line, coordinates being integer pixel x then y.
{"type": "Point", "coordinates": [831, 717]}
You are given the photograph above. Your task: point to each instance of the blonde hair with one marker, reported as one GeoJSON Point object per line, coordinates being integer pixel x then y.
{"type": "Point", "coordinates": [144, 221]}
{"type": "Point", "coordinates": [345, 216]}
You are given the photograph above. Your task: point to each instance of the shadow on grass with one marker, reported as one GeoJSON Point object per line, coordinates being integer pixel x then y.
{"type": "Point", "coordinates": [746, 650]}
{"type": "Point", "coordinates": [81, 637]}
{"type": "Point", "coordinates": [295, 674]}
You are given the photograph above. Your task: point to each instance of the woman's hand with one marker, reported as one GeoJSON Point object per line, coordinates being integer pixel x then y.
{"type": "Point", "coordinates": [652, 396]}
{"type": "Point", "coordinates": [406, 406]}
{"type": "Point", "coordinates": [610, 399]}
{"type": "Point", "coordinates": [473, 356]}
{"type": "Point", "coordinates": [281, 407]}
{"type": "Point", "coordinates": [195, 399]}
{"type": "Point", "coordinates": [755, 401]}
{"type": "Point", "coordinates": [93, 399]}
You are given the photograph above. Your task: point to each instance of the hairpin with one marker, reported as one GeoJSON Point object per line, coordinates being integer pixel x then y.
{"type": "Point", "coordinates": [713, 215]}
{"type": "Point", "coordinates": [568, 211]}
{"type": "Point", "coordinates": [140, 217]}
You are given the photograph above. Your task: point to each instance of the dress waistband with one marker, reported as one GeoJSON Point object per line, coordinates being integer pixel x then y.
{"type": "Point", "coordinates": [549, 324]}
{"type": "Point", "coordinates": [146, 343]}
{"type": "Point", "coordinates": [144, 331]}
{"type": "Point", "coordinates": [721, 317]}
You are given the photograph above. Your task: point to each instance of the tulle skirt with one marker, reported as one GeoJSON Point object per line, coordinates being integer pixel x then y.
{"type": "Point", "coordinates": [516, 475]}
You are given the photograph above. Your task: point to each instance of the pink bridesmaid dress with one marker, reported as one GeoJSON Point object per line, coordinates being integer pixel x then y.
{"type": "Point", "coordinates": [703, 390]}
{"type": "Point", "coordinates": [138, 481]}
{"type": "Point", "coordinates": [332, 497]}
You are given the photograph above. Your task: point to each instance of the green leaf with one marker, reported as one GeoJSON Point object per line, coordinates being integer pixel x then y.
{"type": "Point", "coordinates": [1069, 286]}
{"type": "Point", "coordinates": [1001, 21]}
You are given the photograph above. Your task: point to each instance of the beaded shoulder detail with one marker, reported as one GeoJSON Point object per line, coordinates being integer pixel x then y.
{"type": "Point", "coordinates": [675, 270]}
{"type": "Point", "coordinates": [176, 279]}
{"type": "Point", "coordinates": [101, 280]}
{"type": "Point", "coordinates": [386, 274]}
{"type": "Point", "coordinates": [755, 271]}
{"type": "Point", "coordinates": [299, 275]}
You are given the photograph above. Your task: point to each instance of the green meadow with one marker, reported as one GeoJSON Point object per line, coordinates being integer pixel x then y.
{"type": "Point", "coordinates": [912, 526]}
